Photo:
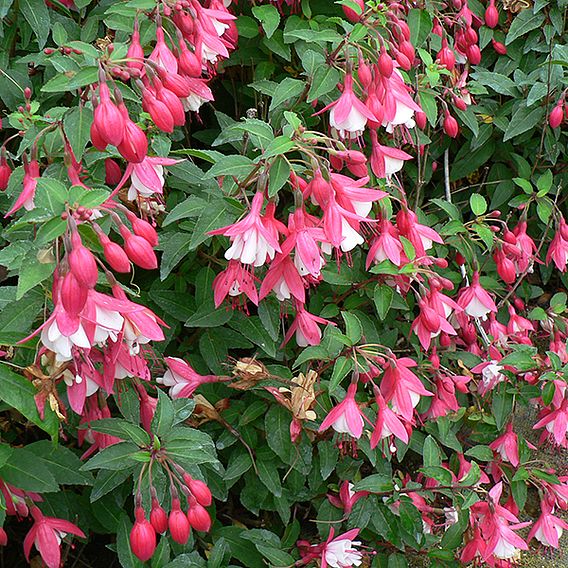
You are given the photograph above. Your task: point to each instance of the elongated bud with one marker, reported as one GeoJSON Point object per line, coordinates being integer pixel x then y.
{"type": "Point", "coordinates": [198, 517]}
{"type": "Point", "coordinates": [158, 517]}
{"type": "Point", "coordinates": [446, 57]}
{"type": "Point", "coordinates": [3, 537]}
{"type": "Point", "coordinates": [139, 250]}
{"type": "Point", "coordinates": [351, 14]}
{"type": "Point", "coordinates": [159, 112]}
{"type": "Point", "coordinates": [385, 64]}
{"type": "Point", "coordinates": [403, 61]}
{"type": "Point", "coordinates": [108, 119]}
{"type": "Point", "coordinates": [5, 173]}
{"type": "Point", "coordinates": [451, 127]}
{"type": "Point", "coordinates": [499, 47]}
{"type": "Point", "coordinates": [134, 145]}
{"type": "Point", "coordinates": [199, 489]}
{"type": "Point", "coordinates": [177, 84]}
{"type": "Point", "coordinates": [178, 523]}
{"type": "Point", "coordinates": [96, 138]}
{"type": "Point", "coordinates": [189, 63]}
{"type": "Point", "coordinates": [135, 50]}
{"type": "Point", "coordinates": [420, 119]}
{"type": "Point", "coordinates": [408, 50]}
{"type": "Point", "coordinates": [557, 115]}
{"type": "Point", "coordinates": [364, 73]}
{"type": "Point", "coordinates": [491, 15]}
{"type": "Point", "coordinates": [473, 53]}
{"type": "Point", "coordinates": [82, 262]}
{"type": "Point", "coordinates": [175, 106]}
{"type": "Point", "coordinates": [142, 537]}
{"type": "Point", "coordinates": [113, 175]}
{"type": "Point", "coordinates": [143, 228]}
{"type": "Point", "coordinates": [114, 254]}
{"type": "Point", "coordinates": [73, 295]}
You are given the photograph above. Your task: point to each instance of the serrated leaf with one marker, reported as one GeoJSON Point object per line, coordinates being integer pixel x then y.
{"type": "Point", "coordinates": [268, 16]}
{"type": "Point", "coordinates": [37, 15]}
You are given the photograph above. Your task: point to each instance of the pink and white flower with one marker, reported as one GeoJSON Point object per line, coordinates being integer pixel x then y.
{"type": "Point", "coordinates": [182, 378]}
{"type": "Point", "coordinates": [475, 300]}
{"type": "Point", "coordinates": [547, 529]}
{"type": "Point", "coordinates": [346, 417]}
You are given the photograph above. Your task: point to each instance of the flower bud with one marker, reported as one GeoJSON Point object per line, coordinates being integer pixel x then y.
{"type": "Point", "coordinates": [408, 50]}
{"type": "Point", "coordinates": [139, 250]}
{"type": "Point", "coordinates": [473, 54]}
{"type": "Point", "coordinates": [142, 537]}
{"type": "Point", "coordinates": [135, 50]}
{"type": "Point", "coordinates": [3, 537]}
{"type": "Point", "coordinates": [96, 138]}
{"type": "Point", "coordinates": [557, 115]}
{"type": "Point", "coordinates": [158, 517]}
{"type": "Point", "coordinates": [351, 14]}
{"type": "Point", "coordinates": [189, 62]}
{"type": "Point", "coordinates": [491, 15]}
{"type": "Point", "coordinates": [113, 175]}
{"type": "Point", "coordinates": [420, 119]}
{"type": "Point", "coordinates": [143, 228]}
{"type": "Point", "coordinates": [5, 173]}
{"type": "Point", "coordinates": [134, 145]}
{"type": "Point", "coordinates": [178, 523]}
{"type": "Point", "coordinates": [82, 262]}
{"type": "Point", "coordinates": [108, 119]}
{"type": "Point", "coordinates": [451, 127]}
{"type": "Point", "coordinates": [198, 517]}
{"type": "Point", "coordinates": [177, 84]}
{"type": "Point", "coordinates": [73, 295]}
{"type": "Point", "coordinates": [199, 489]}
{"type": "Point", "coordinates": [172, 102]}
{"type": "Point", "coordinates": [385, 64]}
{"type": "Point", "coordinates": [159, 112]}
{"type": "Point", "coordinates": [499, 47]}
{"type": "Point", "coordinates": [114, 254]}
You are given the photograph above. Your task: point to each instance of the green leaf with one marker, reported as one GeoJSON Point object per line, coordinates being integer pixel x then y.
{"type": "Point", "coordinates": [279, 174]}
{"type": "Point", "coordinates": [524, 119]}
{"type": "Point", "coordinates": [268, 475]}
{"type": "Point", "coordinates": [277, 427]}
{"type": "Point", "coordinates": [482, 453]}
{"type": "Point", "coordinates": [328, 456]}
{"type": "Point", "coordinates": [353, 327]}
{"type": "Point", "coordinates": [122, 429]}
{"type": "Point", "coordinates": [324, 80]}
{"type": "Point", "coordinates": [235, 165]}
{"type": "Point", "coordinates": [342, 367]}
{"type": "Point", "coordinates": [208, 316]}
{"type": "Point", "coordinates": [253, 329]}
{"type": "Point", "coordinates": [432, 455]}
{"type": "Point", "coordinates": [32, 272]}
{"type": "Point", "coordinates": [496, 81]}
{"type": "Point", "coordinates": [189, 447]}
{"type": "Point", "coordinates": [523, 23]}
{"type": "Point", "coordinates": [25, 471]}
{"type": "Point", "coordinates": [376, 483]}
{"type": "Point", "coordinates": [37, 15]}
{"type": "Point", "coordinates": [383, 297]}
{"type": "Point", "coordinates": [478, 204]}
{"type": "Point", "coordinates": [77, 125]}
{"type": "Point", "coordinates": [63, 464]}
{"type": "Point", "coordinates": [280, 145]}
{"type": "Point", "coordinates": [163, 419]}
{"type": "Point", "coordinates": [115, 457]}
{"type": "Point", "coordinates": [275, 556]}
{"type": "Point", "coordinates": [420, 24]}
{"type": "Point", "coordinates": [268, 16]}
{"type": "Point", "coordinates": [502, 406]}
{"type": "Point", "coordinates": [175, 248]}
{"type": "Point", "coordinates": [289, 88]}
{"type": "Point", "coordinates": [107, 480]}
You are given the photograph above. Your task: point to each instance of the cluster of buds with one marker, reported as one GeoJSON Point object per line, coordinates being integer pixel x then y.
{"type": "Point", "coordinates": [178, 522]}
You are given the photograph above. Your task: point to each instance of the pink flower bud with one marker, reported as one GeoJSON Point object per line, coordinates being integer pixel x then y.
{"type": "Point", "coordinates": [557, 115]}
{"type": "Point", "coordinates": [473, 54]}
{"type": "Point", "coordinates": [139, 250]}
{"type": "Point", "coordinates": [420, 119]}
{"type": "Point", "coordinates": [184, 22]}
{"type": "Point", "coordinates": [143, 228]}
{"type": "Point", "coordinates": [408, 50]}
{"type": "Point", "coordinates": [82, 262]}
{"type": "Point", "coordinates": [159, 112]}
{"type": "Point", "coordinates": [451, 127]}
{"type": "Point", "coordinates": [460, 103]}
{"type": "Point", "coordinates": [446, 57]}
{"type": "Point", "coordinates": [135, 50]}
{"type": "Point", "coordinates": [471, 36]}
{"type": "Point", "coordinates": [134, 145]}
{"type": "Point", "coordinates": [96, 138]}
{"type": "Point", "coordinates": [158, 517]}
{"type": "Point", "coordinates": [364, 74]}
{"type": "Point", "coordinates": [3, 537]}
{"type": "Point", "coordinates": [403, 61]}
{"type": "Point", "coordinates": [73, 295]}
{"type": "Point", "coordinates": [499, 47]}
{"type": "Point", "coordinates": [114, 254]}
{"type": "Point", "coordinates": [350, 14]}
{"type": "Point", "coordinates": [175, 106]}
{"type": "Point", "coordinates": [108, 119]}
{"type": "Point", "coordinates": [142, 537]}
{"type": "Point", "coordinates": [200, 490]}
{"type": "Point", "coordinates": [189, 62]}
{"type": "Point", "coordinates": [177, 84]}
{"type": "Point", "coordinates": [113, 175]}
{"type": "Point", "coordinates": [385, 64]}
{"type": "Point", "coordinates": [491, 15]}
{"type": "Point", "coordinates": [178, 523]}
{"type": "Point", "coordinates": [198, 517]}
{"type": "Point", "coordinates": [5, 173]}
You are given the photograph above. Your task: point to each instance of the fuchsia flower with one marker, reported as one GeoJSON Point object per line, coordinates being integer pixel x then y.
{"type": "Point", "coordinates": [401, 387]}
{"type": "Point", "coordinates": [548, 528]}
{"type": "Point", "coordinates": [346, 417]}
{"type": "Point", "coordinates": [429, 324]}
{"type": "Point", "coordinates": [347, 497]}
{"type": "Point", "coordinates": [386, 160]}
{"type": "Point", "coordinates": [399, 106]}
{"type": "Point", "coordinates": [46, 534]}
{"type": "Point", "coordinates": [421, 236]}
{"type": "Point", "coordinates": [556, 424]}
{"type": "Point", "coordinates": [558, 249]}
{"type": "Point", "coordinates": [252, 242]}
{"type": "Point", "coordinates": [162, 55]}
{"type": "Point", "coordinates": [507, 446]}
{"type": "Point", "coordinates": [388, 424]}
{"type": "Point", "coordinates": [348, 115]}
{"type": "Point", "coordinates": [475, 300]}
{"type": "Point", "coordinates": [234, 281]}
{"type": "Point", "coordinates": [26, 197]}
{"type": "Point", "coordinates": [306, 328]}
{"type": "Point", "coordinates": [340, 552]}
{"type": "Point", "coordinates": [491, 375]}
{"type": "Point", "coordinates": [182, 378]}
{"type": "Point", "coordinates": [386, 246]}
{"type": "Point", "coordinates": [284, 278]}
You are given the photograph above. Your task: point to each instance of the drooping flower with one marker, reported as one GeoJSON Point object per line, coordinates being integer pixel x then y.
{"type": "Point", "coordinates": [26, 197]}
{"type": "Point", "coordinates": [182, 378]}
{"type": "Point", "coordinates": [386, 160]}
{"type": "Point", "coordinates": [346, 417]}
{"type": "Point", "coordinates": [46, 534]}
{"type": "Point", "coordinates": [548, 528]}
{"type": "Point", "coordinates": [341, 551]}
{"type": "Point", "coordinates": [305, 326]}
{"type": "Point", "coordinates": [251, 240]}
{"type": "Point", "coordinates": [235, 280]}
{"type": "Point", "coordinates": [507, 446]}
{"type": "Point", "coordinates": [387, 424]}
{"type": "Point", "coordinates": [475, 300]}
